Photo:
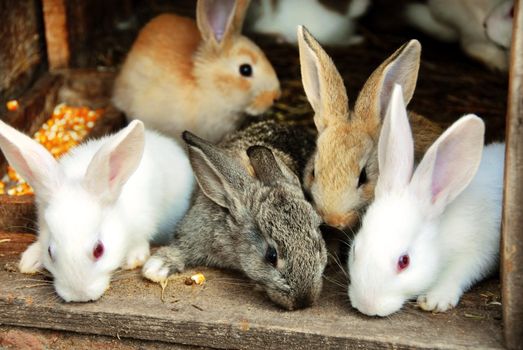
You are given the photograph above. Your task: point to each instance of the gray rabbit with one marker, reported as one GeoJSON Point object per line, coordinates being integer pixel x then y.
{"type": "Point", "coordinates": [250, 214]}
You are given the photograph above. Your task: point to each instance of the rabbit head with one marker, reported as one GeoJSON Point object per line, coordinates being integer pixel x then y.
{"type": "Point", "coordinates": [274, 232]}
{"type": "Point", "coordinates": [230, 64]}
{"type": "Point", "coordinates": [396, 255]}
{"type": "Point", "coordinates": [342, 173]}
{"type": "Point", "coordinates": [78, 242]}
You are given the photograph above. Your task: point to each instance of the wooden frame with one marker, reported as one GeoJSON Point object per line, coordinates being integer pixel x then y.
{"type": "Point", "coordinates": [242, 330]}
{"type": "Point", "coordinates": [512, 236]}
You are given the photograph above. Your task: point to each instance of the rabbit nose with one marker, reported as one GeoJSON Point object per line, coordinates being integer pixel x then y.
{"type": "Point", "coordinates": [303, 302]}
{"type": "Point", "coordinates": [335, 220]}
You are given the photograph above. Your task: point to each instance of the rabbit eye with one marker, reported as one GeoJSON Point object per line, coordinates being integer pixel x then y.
{"type": "Point", "coordinates": [246, 70]}
{"type": "Point", "coordinates": [363, 177]}
{"type": "Point", "coordinates": [403, 262]}
{"type": "Point", "coordinates": [271, 256]}
{"type": "Point", "coordinates": [98, 250]}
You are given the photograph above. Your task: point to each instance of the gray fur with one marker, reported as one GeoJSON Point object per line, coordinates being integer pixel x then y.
{"type": "Point", "coordinates": [236, 216]}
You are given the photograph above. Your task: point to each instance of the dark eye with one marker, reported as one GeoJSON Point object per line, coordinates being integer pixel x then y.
{"type": "Point", "coordinates": [403, 262]}
{"type": "Point", "coordinates": [49, 252]}
{"type": "Point", "coordinates": [363, 177]}
{"type": "Point", "coordinates": [246, 70]}
{"type": "Point", "coordinates": [271, 256]}
{"type": "Point", "coordinates": [98, 250]}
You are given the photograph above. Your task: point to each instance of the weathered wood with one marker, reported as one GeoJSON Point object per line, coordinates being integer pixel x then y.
{"type": "Point", "coordinates": [30, 338]}
{"type": "Point", "coordinates": [22, 54]}
{"type": "Point", "coordinates": [512, 241]}
{"type": "Point", "coordinates": [227, 313]}
{"type": "Point", "coordinates": [56, 34]}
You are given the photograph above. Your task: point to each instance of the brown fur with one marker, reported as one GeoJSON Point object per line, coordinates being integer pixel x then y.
{"type": "Point", "coordinates": [347, 141]}
{"type": "Point", "coordinates": [181, 76]}
{"type": "Point", "coordinates": [245, 51]}
{"type": "Point", "coordinates": [227, 81]}
{"type": "Point", "coordinates": [157, 41]}
{"type": "Point", "coordinates": [265, 99]}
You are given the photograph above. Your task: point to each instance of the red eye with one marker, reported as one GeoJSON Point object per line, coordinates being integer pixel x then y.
{"type": "Point", "coordinates": [98, 250]}
{"type": "Point", "coordinates": [403, 262]}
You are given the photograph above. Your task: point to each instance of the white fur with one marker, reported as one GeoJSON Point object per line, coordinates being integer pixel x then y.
{"type": "Point", "coordinates": [462, 21]}
{"type": "Point", "coordinates": [329, 27]}
{"type": "Point", "coordinates": [77, 211]}
{"type": "Point", "coordinates": [449, 230]}
{"type": "Point", "coordinates": [498, 25]}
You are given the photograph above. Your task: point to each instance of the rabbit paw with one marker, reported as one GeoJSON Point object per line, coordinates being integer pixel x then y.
{"type": "Point", "coordinates": [31, 261]}
{"type": "Point", "coordinates": [164, 263]}
{"type": "Point", "coordinates": [137, 257]}
{"type": "Point", "coordinates": [439, 300]}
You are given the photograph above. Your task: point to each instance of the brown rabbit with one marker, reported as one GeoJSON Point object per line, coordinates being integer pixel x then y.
{"type": "Point", "coordinates": [340, 177]}
{"type": "Point", "coordinates": [203, 76]}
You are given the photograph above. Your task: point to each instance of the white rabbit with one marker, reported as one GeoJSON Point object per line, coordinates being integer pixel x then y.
{"type": "Point", "coordinates": [432, 234]}
{"type": "Point", "coordinates": [463, 21]}
{"type": "Point", "coordinates": [331, 26]}
{"type": "Point", "coordinates": [100, 204]}
{"type": "Point", "coordinates": [498, 25]}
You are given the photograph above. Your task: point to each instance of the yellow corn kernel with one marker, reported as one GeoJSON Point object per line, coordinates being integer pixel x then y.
{"type": "Point", "coordinates": [12, 105]}
{"type": "Point", "coordinates": [66, 127]}
{"type": "Point", "coordinates": [198, 279]}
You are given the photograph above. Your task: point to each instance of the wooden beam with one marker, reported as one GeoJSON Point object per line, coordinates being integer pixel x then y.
{"type": "Point", "coordinates": [512, 237]}
{"type": "Point", "coordinates": [56, 34]}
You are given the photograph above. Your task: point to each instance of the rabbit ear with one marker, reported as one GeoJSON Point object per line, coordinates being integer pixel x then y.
{"type": "Point", "coordinates": [400, 68]}
{"type": "Point", "coordinates": [267, 168]}
{"type": "Point", "coordinates": [31, 160]}
{"type": "Point", "coordinates": [449, 165]}
{"type": "Point", "coordinates": [220, 177]}
{"type": "Point", "coordinates": [115, 162]}
{"type": "Point", "coordinates": [322, 82]}
{"type": "Point", "coordinates": [220, 20]}
{"type": "Point", "coordinates": [395, 148]}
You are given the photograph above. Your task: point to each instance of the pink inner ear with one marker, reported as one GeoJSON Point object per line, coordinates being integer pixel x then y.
{"type": "Point", "coordinates": [218, 14]}
{"type": "Point", "coordinates": [115, 165]}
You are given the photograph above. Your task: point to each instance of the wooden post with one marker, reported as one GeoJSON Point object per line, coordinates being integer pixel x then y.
{"type": "Point", "coordinates": [512, 237]}
{"type": "Point", "coordinates": [56, 34]}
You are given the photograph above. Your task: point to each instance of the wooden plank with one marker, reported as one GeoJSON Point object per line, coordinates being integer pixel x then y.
{"type": "Point", "coordinates": [512, 238]}
{"type": "Point", "coordinates": [22, 54]}
{"type": "Point", "coordinates": [227, 313]}
{"type": "Point", "coordinates": [31, 338]}
{"type": "Point", "coordinates": [56, 34]}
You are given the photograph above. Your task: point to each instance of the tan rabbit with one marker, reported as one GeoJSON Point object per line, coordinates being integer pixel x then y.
{"type": "Point", "coordinates": [340, 177]}
{"type": "Point", "coordinates": [203, 76]}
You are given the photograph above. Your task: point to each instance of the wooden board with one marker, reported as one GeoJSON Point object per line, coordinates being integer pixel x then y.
{"type": "Point", "coordinates": [56, 34]}
{"type": "Point", "coordinates": [512, 245]}
{"type": "Point", "coordinates": [22, 53]}
{"type": "Point", "coordinates": [228, 313]}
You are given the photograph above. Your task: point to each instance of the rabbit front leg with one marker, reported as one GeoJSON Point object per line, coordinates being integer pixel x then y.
{"type": "Point", "coordinates": [137, 256]}
{"type": "Point", "coordinates": [165, 262]}
{"type": "Point", "coordinates": [449, 288]}
{"type": "Point", "coordinates": [31, 261]}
